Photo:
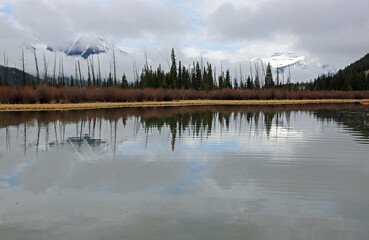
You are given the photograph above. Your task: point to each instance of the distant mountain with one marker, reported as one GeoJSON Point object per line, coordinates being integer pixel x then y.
{"type": "Point", "coordinates": [284, 59]}
{"type": "Point", "coordinates": [353, 77]}
{"type": "Point", "coordinates": [84, 45]}
{"type": "Point", "coordinates": [13, 75]}
{"type": "Point", "coordinates": [360, 66]}
{"type": "Point", "coordinates": [289, 64]}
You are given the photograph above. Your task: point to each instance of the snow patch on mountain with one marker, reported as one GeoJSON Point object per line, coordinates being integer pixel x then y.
{"type": "Point", "coordinates": [86, 44]}
{"type": "Point", "coordinates": [282, 60]}
{"type": "Point", "coordinates": [301, 68]}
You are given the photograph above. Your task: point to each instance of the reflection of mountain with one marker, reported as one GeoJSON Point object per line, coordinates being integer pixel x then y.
{"type": "Point", "coordinates": [198, 122]}
{"type": "Point", "coordinates": [85, 140]}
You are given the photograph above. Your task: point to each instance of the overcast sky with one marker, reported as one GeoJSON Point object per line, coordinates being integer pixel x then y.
{"type": "Point", "coordinates": [332, 32]}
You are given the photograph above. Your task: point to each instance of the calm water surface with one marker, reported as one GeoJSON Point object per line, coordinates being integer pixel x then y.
{"type": "Point", "coordinates": [186, 173]}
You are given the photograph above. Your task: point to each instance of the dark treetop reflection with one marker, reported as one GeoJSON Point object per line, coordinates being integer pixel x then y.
{"type": "Point", "coordinates": [196, 121]}
{"type": "Point", "coordinates": [282, 172]}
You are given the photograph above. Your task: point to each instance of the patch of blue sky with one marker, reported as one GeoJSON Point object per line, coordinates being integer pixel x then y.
{"type": "Point", "coordinates": [189, 183]}
{"type": "Point", "coordinates": [156, 147]}
{"type": "Point", "coordinates": [133, 147]}
{"type": "Point", "coordinates": [225, 146]}
{"type": "Point", "coordinates": [11, 181]}
{"type": "Point", "coordinates": [192, 15]}
{"type": "Point", "coordinates": [138, 147]}
{"type": "Point", "coordinates": [7, 10]}
{"type": "Point", "coordinates": [194, 21]}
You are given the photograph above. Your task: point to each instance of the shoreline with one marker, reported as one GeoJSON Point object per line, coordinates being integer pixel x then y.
{"type": "Point", "coordinates": [109, 105]}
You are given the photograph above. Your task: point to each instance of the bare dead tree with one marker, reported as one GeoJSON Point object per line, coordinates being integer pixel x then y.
{"type": "Point", "coordinates": [89, 74]}
{"type": "Point", "coordinates": [236, 74]}
{"type": "Point", "coordinates": [93, 71]}
{"type": "Point", "coordinates": [251, 71]}
{"type": "Point", "coordinates": [62, 71]}
{"type": "Point", "coordinates": [241, 76]}
{"type": "Point", "coordinates": [37, 72]}
{"type": "Point", "coordinates": [277, 72]}
{"type": "Point", "coordinates": [202, 67]}
{"type": "Point", "coordinates": [23, 69]}
{"type": "Point", "coordinates": [76, 73]}
{"type": "Point", "coordinates": [59, 74]}
{"type": "Point", "coordinates": [80, 74]}
{"type": "Point", "coordinates": [6, 60]}
{"type": "Point", "coordinates": [46, 65]}
{"type": "Point", "coordinates": [99, 77]}
{"type": "Point", "coordinates": [115, 68]}
{"type": "Point", "coordinates": [221, 68]}
{"type": "Point", "coordinates": [263, 68]}
{"type": "Point", "coordinates": [135, 71]}
{"type": "Point", "coordinates": [215, 75]}
{"type": "Point", "coordinates": [54, 73]}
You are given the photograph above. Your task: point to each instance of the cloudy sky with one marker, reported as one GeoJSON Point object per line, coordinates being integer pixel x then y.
{"type": "Point", "coordinates": [327, 32]}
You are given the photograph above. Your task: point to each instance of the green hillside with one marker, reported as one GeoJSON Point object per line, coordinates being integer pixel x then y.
{"type": "Point", "coordinates": [353, 77]}
{"type": "Point", "coordinates": [12, 76]}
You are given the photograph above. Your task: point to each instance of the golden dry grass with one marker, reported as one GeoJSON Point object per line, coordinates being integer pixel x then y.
{"type": "Point", "coordinates": [104, 105]}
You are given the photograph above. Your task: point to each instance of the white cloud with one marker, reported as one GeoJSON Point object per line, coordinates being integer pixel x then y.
{"type": "Point", "coordinates": [330, 32]}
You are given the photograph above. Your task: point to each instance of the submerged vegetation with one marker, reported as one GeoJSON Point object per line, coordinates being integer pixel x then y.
{"type": "Point", "coordinates": [197, 81]}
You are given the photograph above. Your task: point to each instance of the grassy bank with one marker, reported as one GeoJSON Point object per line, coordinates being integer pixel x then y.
{"type": "Point", "coordinates": [107, 105]}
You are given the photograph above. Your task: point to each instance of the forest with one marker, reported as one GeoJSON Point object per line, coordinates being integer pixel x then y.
{"type": "Point", "coordinates": [198, 80]}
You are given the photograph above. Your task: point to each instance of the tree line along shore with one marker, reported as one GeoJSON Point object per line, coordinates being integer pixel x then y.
{"type": "Point", "coordinates": [196, 82]}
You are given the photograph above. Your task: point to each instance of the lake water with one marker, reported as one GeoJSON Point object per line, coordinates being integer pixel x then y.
{"type": "Point", "coordinates": [292, 172]}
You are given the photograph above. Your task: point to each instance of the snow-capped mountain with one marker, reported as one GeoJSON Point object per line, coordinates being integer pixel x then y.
{"type": "Point", "coordinates": [282, 60]}
{"type": "Point", "coordinates": [84, 45]}
{"type": "Point", "coordinates": [300, 67]}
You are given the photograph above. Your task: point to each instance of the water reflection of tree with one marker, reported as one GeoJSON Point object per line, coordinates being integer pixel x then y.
{"type": "Point", "coordinates": [356, 121]}
{"type": "Point", "coordinates": [198, 122]}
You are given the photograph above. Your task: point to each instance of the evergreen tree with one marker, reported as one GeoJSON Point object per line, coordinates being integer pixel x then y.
{"type": "Point", "coordinates": [242, 85]}
{"type": "Point", "coordinates": [221, 80]}
{"type": "Point", "coordinates": [227, 81]}
{"type": "Point", "coordinates": [71, 81]}
{"type": "Point", "coordinates": [269, 83]}
{"type": "Point", "coordinates": [89, 80]}
{"type": "Point", "coordinates": [173, 70]}
{"type": "Point", "coordinates": [197, 80]}
{"type": "Point", "coordinates": [186, 79]}
{"type": "Point", "coordinates": [124, 83]}
{"type": "Point", "coordinates": [209, 78]}
{"type": "Point", "coordinates": [109, 82]}
{"type": "Point", "coordinates": [257, 82]}
{"type": "Point", "coordinates": [235, 83]}
{"type": "Point", "coordinates": [180, 76]}
{"type": "Point", "coordinates": [249, 83]}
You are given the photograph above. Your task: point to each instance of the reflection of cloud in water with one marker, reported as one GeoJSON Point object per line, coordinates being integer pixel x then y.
{"type": "Point", "coordinates": [175, 174]}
